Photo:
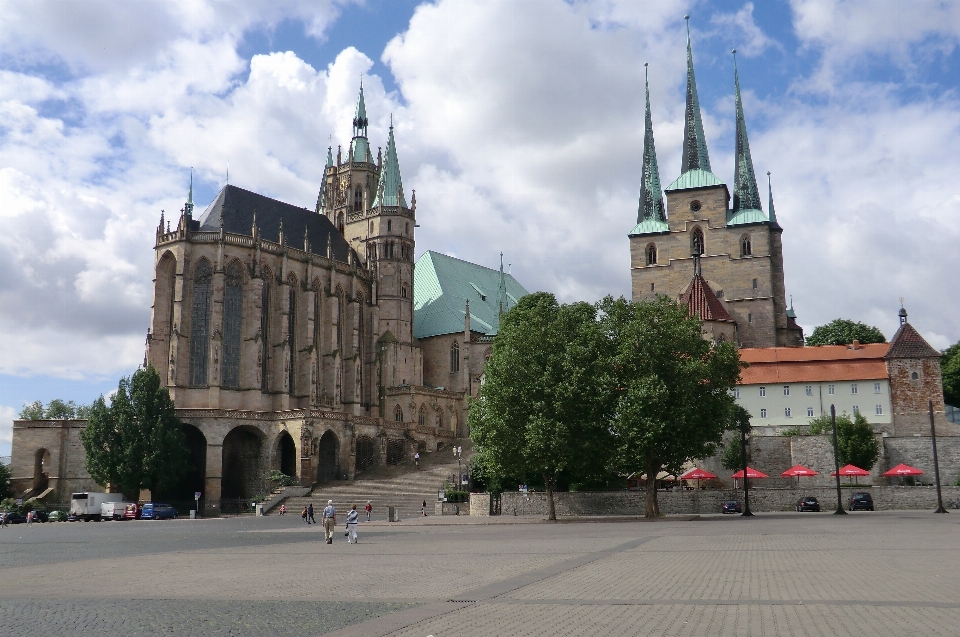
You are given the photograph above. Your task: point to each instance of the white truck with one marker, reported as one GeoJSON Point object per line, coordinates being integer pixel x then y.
{"type": "Point", "coordinates": [113, 510]}
{"type": "Point", "coordinates": [87, 506]}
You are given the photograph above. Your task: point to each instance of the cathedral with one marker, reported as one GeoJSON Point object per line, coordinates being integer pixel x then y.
{"type": "Point", "coordinates": [723, 260]}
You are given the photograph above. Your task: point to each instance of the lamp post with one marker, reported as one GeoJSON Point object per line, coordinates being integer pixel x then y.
{"type": "Point", "coordinates": [458, 453]}
{"type": "Point", "coordinates": [836, 460]}
{"type": "Point", "coordinates": [747, 513]}
{"type": "Point", "coordinates": [936, 462]}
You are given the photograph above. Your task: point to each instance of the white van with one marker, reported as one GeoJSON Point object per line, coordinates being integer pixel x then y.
{"type": "Point", "coordinates": [113, 510]}
{"type": "Point", "coordinates": [86, 506]}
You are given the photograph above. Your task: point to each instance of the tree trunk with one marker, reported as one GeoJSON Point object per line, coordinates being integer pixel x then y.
{"type": "Point", "coordinates": [652, 507]}
{"type": "Point", "coordinates": [552, 515]}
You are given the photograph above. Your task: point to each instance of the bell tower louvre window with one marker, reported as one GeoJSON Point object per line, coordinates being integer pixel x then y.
{"type": "Point", "coordinates": [358, 199]}
{"type": "Point", "coordinates": [746, 249]}
{"type": "Point", "coordinates": [696, 241]}
{"type": "Point", "coordinates": [652, 254]}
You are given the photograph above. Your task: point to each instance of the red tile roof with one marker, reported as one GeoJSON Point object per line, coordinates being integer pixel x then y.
{"type": "Point", "coordinates": [907, 343]}
{"type": "Point", "coordinates": [771, 365]}
{"type": "Point", "coordinates": [701, 300]}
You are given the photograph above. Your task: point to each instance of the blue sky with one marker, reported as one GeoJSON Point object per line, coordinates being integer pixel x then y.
{"type": "Point", "coordinates": [518, 122]}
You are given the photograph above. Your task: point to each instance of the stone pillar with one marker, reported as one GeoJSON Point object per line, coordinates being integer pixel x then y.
{"type": "Point", "coordinates": [214, 473]}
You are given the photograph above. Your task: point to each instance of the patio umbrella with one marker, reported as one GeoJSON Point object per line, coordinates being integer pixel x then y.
{"type": "Point", "coordinates": [850, 470]}
{"type": "Point", "coordinates": [751, 473]}
{"type": "Point", "coordinates": [903, 470]}
{"type": "Point", "coordinates": [698, 475]}
{"type": "Point", "coordinates": [797, 471]}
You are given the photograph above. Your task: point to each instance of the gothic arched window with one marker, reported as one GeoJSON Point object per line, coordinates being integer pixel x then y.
{"type": "Point", "coordinates": [200, 323]}
{"type": "Point", "coordinates": [454, 358]}
{"type": "Point", "coordinates": [398, 414]}
{"type": "Point", "coordinates": [696, 241]}
{"type": "Point", "coordinates": [652, 254]}
{"type": "Point", "coordinates": [745, 248]}
{"type": "Point", "coordinates": [358, 199]}
{"type": "Point", "coordinates": [422, 416]}
{"type": "Point", "coordinates": [232, 312]}
{"type": "Point", "coordinates": [265, 329]}
{"type": "Point", "coordinates": [403, 291]}
{"type": "Point", "coordinates": [292, 333]}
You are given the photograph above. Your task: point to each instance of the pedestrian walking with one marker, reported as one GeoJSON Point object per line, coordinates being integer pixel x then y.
{"type": "Point", "coordinates": [416, 460]}
{"type": "Point", "coordinates": [352, 525]}
{"type": "Point", "coordinates": [423, 509]}
{"type": "Point", "coordinates": [283, 509]}
{"type": "Point", "coordinates": [329, 521]}
{"type": "Point", "coordinates": [310, 518]}
{"type": "Point", "coordinates": [303, 514]}
{"type": "Point", "coordinates": [368, 509]}
{"type": "Point", "coordinates": [29, 518]}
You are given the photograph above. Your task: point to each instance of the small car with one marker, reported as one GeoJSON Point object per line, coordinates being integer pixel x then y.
{"type": "Point", "coordinates": [131, 512]}
{"type": "Point", "coordinates": [731, 506]}
{"type": "Point", "coordinates": [861, 501]}
{"type": "Point", "coordinates": [12, 517]}
{"type": "Point", "coordinates": [808, 503]}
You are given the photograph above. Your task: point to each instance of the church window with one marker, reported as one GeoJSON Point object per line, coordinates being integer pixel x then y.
{"type": "Point", "coordinates": [696, 241]}
{"type": "Point", "coordinates": [422, 416]}
{"type": "Point", "coordinates": [389, 226]}
{"type": "Point", "coordinates": [652, 254]}
{"type": "Point", "coordinates": [292, 336]}
{"type": "Point", "coordinates": [914, 376]}
{"type": "Point", "coordinates": [398, 414]}
{"type": "Point", "coordinates": [232, 312]}
{"type": "Point", "coordinates": [340, 222]}
{"type": "Point", "coordinates": [745, 247]}
{"type": "Point", "coordinates": [695, 205]}
{"type": "Point", "coordinates": [371, 227]}
{"type": "Point", "coordinates": [265, 330]}
{"type": "Point", "coordinates": [454, 358]}
{"type": "Point", "coordinates": [406, 228]}
{"type": "Point", "coordinates": [403, 291]}
{"type": "Point", "coordinates": [200, 323]}
{"type": "Point", "coordinates": [358, 199]}
{"type": "Point", "coordinates": [755, 284]}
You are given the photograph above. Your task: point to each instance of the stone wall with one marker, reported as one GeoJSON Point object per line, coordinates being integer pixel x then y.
{"type": "Point", "coordinates": [63, 465]}
{"type": "Point", "coordinates": [709, 501]}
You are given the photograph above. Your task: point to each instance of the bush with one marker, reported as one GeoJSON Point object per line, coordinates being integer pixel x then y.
{"type": "Point", "coordinates": [793, 431]}
{"type": "Point", "coordinates": [280, 479]}
{"type": "Point", "coordinates": [855, 439]}
{"type": "Point", "coordinates": [456, 496]}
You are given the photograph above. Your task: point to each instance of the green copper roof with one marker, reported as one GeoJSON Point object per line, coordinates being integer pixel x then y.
{"type": "Point", "coordinates": [442, 286]}
{"type": "Point", "coordinates": [360, 117]}
{"type": "Point", "coordinates": [745, 193]}
{"type": "Point", "coordinates": [695, 154]}
{"type": "Point", "coordinates": [361, 150]}
{"type": "Point", "coordinates": [651, 196]}
{"type": "Point", "coordinates": [390, 187]}
{"type": "Point", "coordinates": [695, 179]}
{"type": "Point", "coordinates": [650, 226]}
{"type": "Point", "coordinates": [743, 217]}
{"type": "Point", "coordinates": [773, 213]}
{"type": "Point", "coordinates": [329, 156]}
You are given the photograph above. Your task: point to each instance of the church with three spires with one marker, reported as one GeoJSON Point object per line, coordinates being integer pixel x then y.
{"type": "Point", "coordinates": [721, 258]}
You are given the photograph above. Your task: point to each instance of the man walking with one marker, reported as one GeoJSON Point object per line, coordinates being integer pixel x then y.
{"type": "Point", "coordinates": [368, 509]}
{"type": "Point", "coordinates": [416, 460]}
{"type": "Point", "coordinates": [310, 517]}
{"type": "Point", "coordinates": [329, 521]}
{"type": "Point", "coordinates": [352, 525]}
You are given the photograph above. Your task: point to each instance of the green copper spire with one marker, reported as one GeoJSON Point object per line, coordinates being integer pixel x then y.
{"type": "Point", "coordinates": [695, 156]}
{"type": "Point", "coordinates": [390, 187]}
{"type": "Point", "coordinates": [188, 208]}
{"type": "Point", "coordinates": [651, 195]}
{"type": "Point", "coordinates": [773, 213]}
{"type": "Point", "coordinates": [745, 193]}
{"type": "Point", "coordinates": [329, 156]}
{"type": "Point", "coordinates": [360, 147]}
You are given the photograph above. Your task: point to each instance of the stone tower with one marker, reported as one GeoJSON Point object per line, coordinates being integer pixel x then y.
{"type": "Point", "coordinates": [739, 246]}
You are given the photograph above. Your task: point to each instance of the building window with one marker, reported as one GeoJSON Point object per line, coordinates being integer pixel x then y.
{"type": "Point", "coordinates": [876, 388]}
{"type": "Point", "coordinates": [856, 410]}
{"type": "Point", "coordinates": [454, 358]}
{"type": "Point", "coordinates": [406, 228]}
{"type": "Point", "coordinates": [389, 225]}
{"type": "Point", "coordinates": [745, 248]}
{"type": "Point", "coordinates": [763, 392]}
{"type": "Point", "coordinates": [652, 254]}
{"type": "Point", "coordinates": [786, 390]}
{"type": "Point", "coordinates": [755, 284]}
{"type": "Point", "coordinates": [808, 390]}
{"type": "Point", "coordinates": [853, 388]}
{"type": "Point", "coordinates": [830, 390]}
{"type": "Point", "coordinates": [763, 413]}
{"type": "Point", "coordinates": [914, 376]}
{"type": "Point", "coordinates": [232, 311]}
{"type": "Point", "coordinates": [403, 291]}
{"type": "Point", "coordinates": [879, 410]}
{"type": "Point", "coordinates": [422, 416]}
{"type": "Point", "coordinates": [200, 323]}
{"type": "Point", "coordinates": [786, 412]}
{"type": "Point", "coordinates": [398, 413]}
{"type": "Point", "coordinates": [696, 241]}
{"type": "Point", "coordinates": [736, 393]}
{"type": "Point", "coordinates": [358, 199]}
{"type": "Point", "coordinates": [749, 318]}
{"type": "Point", "coordinates": [371, 227]}
{"type": "Point", "coordinates": [265, 330]}
{"type": "Point", "coordinates": [653, 287]}
{"type": "Point", "coordinates": [291, 336]}
{"type": "Point", "coordinates": [809, 412]}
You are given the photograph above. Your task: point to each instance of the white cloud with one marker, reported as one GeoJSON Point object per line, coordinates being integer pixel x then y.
{"type": "Point", "coordinates": [752, 40]}
{"type": "Point", "coordinates": [7, 414]}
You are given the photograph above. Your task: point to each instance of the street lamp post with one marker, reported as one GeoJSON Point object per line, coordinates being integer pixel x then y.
{"type": "Point", "coordinates": [936, 462]}
{"type": "Point", "coordinates": [836, 460]}
{"type": "Point", "coordinates": [747, 513]}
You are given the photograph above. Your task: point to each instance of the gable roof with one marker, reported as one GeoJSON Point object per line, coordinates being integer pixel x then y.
{"type": "Point", "coordinates": [823, 363]}
{"type": "Point", "coordinates": [907, 343]}
{"type": "Point", "coordinates": [441, 287]}
{"type": "Point", "coordinates": [237, 207]}
{"type": "Point", "coordinates": [701, 300]}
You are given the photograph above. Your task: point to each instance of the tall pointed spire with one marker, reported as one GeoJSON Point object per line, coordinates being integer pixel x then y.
{"type": "Point", "coordinates": [359, 147]}
{"type": "Point", "coordinates": [651, 195]}
{"type": "Point", "coordinates": [188, 207]}
{"type": "Point", "coordinates": [773, 213]}
{"type": "Point", "coordinates": [695, 154]}
{"type": "Point", "coordinates": [390, 186]}
{"type": "Point", "coordinates": [501, 291]}
{"type": "Point", "coordinates": [745, 193]}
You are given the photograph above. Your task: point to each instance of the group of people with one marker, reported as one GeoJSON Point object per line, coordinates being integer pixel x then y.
{"type": "Point", "coordinates": [329, 519]}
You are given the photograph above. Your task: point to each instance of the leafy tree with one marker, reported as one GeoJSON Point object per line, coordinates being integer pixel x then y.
{"type": "Point", "coordinates": [540, 411]}
{"type": "Point", "coordinates": [33, 411]}
{"type": "Point", "coordinates": [137, 441]}
{"type": "Point", "coordinates": [6, 489]}
{"type": "Point", "coordinates": [844, 332]}
{"type": "Point", "coordinates": [56, 409]}
{"type": "Point", "coordinates": [732, 457]}
{"type": "Point", "coordinates": [950, 368]}
{"type": "Point", "coordinates": [856, 442]}
{"type": "Point", "coordinates": [672, 393]}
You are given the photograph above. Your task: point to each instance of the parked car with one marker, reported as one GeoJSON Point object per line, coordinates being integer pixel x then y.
{"type": "Point", "coordinates": [41, 515]}
{"type": "Point", "coordinates": [808, 503]}
{"type": "Point", "coordinates": [12, 517]}
{"type": "Point", "coordinates": [861, 501]}
{"type": "Point", "coordinates": [731, 506]}
{"type": "Point", "coordinates": [131, 511]}
{"type": "Point", "coordinates": [57, 516]}
{"type": "Point", "coordinates": [158, 511]}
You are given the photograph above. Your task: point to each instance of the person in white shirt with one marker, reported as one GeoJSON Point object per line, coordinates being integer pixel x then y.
{"type": "Point", "coordinates": [352, 519]}
{"type": "Point", "coordinates": [329, 521]}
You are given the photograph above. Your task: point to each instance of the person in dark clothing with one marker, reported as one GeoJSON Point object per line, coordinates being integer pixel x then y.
{"type": "Point", "coordinates": [310, 517]}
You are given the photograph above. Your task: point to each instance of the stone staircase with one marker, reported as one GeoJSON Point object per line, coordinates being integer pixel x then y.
{"type": "Point", "coordinates": [400, 486]}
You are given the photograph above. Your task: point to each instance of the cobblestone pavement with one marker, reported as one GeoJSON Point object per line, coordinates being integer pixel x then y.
{"type": "Point", "coordinates": [885, 573]}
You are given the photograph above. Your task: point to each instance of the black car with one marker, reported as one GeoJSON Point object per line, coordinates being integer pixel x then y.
{"type": "Point", "coordinates": [808, 503]}
{"type": "Point", "coordinates": [731, 506]}
{"type": "Point", "coordinates": [12, 517]}
{"type": "Point", "coordinates": [861, 502]}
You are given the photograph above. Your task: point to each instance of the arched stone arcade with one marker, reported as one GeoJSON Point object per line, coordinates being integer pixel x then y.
{"type": "Point", "coordinates": [285, 454]}
{"type": "Point", "coordinates": [328, 457]}
{"type": "Point", "coordinates": [243, 475]}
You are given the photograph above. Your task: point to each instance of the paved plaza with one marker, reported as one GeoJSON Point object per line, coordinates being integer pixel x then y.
{"type": "Point", "coordinates": [884, 573]}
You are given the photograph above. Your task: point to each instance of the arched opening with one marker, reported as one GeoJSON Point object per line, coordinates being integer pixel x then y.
{"type": "Point", "coordinates": [398, 414]}
{"type": "Point", "coordinates": [395, 451]}
{"type": "Point", "coordinates": [267, 278]}
{"type": "Point", "coordinates": [163, 296]}
{"type": "Point", "coordinates": [285, 455]}
{"type": "Point", "coordinates": [181, 495]}
{"type": "Point", "coordinates": [745, 248]}
{"type": "Point", "coordinates": [367, 454]}
{"type": "Point", "coordinates": [41, 470]}
{"type": "Point", "coordinates": [328, 468]}
{"type": "Point", "coordinates": [242, 465]}
{"type": "Point", "coordinates": [696, 241]}
{"type": "Point", "coordinates": [454, 358]}
{"type": "Point", "coordinates": [652, 254]}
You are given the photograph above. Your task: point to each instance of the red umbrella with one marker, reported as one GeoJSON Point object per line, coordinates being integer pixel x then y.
{"type": "Point", "coordinates": [698, 475]}
{"type": "Point", "coordinates": [797, 471]}
{"type": "Point", "coordinates": [751, 473]}
{"type": "Point", "coordinates": [903, 470]}
{"type": "Point", "coordinates": [850, 470]}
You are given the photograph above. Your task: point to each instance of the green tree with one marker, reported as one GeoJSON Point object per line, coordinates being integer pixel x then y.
{"type": "Point", "coordinates": [856, 441]}
{"type": "Point", "coordinates": [137, 441]}
{"type": "Point", "coordinates": [672, 396]}
{"type": "Point", "coordinates": [33, 411]}
{"type": "Point", "coordinates": [844, 332]}
{"type": "Point", "coordinates": [56, 409]}
{"type": "Point", "coordinates": [739, 421]}
{"type": "Point", "coordinates": [950, 368]}
{"type": "Point", "coordinates": [540, 411]}
{"type": "Point", "coordinates": [732, 457]}
{"type": "Point", "coordinates": [6, 489]}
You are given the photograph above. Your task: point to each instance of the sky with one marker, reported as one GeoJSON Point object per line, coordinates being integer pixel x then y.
{"type": "Point", "coordinates": [518, 122]}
